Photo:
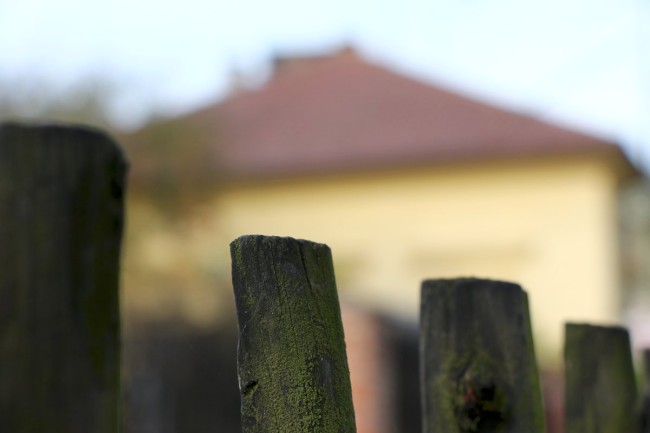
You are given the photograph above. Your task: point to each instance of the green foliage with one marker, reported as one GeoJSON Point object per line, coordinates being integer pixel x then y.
{"type": "Point", "coordinates": [173, 165]}
{"type": "Point", "coordinates": [86, 102]}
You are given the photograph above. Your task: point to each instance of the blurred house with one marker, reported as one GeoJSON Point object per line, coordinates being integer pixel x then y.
{"type": "Point", "coordinates": [407, 181]}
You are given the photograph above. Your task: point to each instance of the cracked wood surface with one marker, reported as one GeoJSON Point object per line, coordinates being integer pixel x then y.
{"type": "Point", "coordinates": [293, 372]}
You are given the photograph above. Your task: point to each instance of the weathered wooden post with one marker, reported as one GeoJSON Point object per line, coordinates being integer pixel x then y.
{"type": "Point", "coordinates": [61, 219]}
{"type": "Point", "coordinates": [293, 372]}
{"type": "Point", "coordinates": [477, 363]}
{"type": "Point", "coordinates": [645, 404]}
{"type": "Point", "coordinates": [600, 390]}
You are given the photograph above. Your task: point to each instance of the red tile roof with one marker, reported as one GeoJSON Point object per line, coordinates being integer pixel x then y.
{"type": "Point", "coordinates": [342, 113]}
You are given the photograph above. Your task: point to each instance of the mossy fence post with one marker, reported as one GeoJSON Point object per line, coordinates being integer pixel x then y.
{"type": "Point", "coordinates": [478, 370]}
{"type": "Point", "coordinates": [645, 402]}
{"type": "Point", "coordinates": [293, 372]}
{"type": "Point", "coordinates": [600, 384]}
{"type": "Point", "coordinates": [61, 219]}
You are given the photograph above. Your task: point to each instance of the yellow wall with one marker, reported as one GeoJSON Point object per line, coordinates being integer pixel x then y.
{"type": "Point", "coordinates": [548, 224]}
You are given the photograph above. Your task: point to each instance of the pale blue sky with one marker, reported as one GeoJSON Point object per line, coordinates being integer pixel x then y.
{"type": "Point", "coordinates": [581, 63]}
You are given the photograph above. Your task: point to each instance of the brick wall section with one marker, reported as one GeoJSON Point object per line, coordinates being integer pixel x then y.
{"type": "Point", "coordinates": [370, 371]}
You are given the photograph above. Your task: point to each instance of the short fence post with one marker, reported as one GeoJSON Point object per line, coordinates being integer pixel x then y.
{"type": "Point", "coordinates": [293, 372]}
{"type": "Point", "coordinates": [478, 370]}
{"type": "Point", "coordinates": [61, 218]}
{"type": "Point", "coordinates": [645, 403]}
{"type": "Point", "coordinates": [600, 389]}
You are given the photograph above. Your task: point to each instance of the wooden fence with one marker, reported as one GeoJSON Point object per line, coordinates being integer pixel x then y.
{"type": "Point", "coordinates": [478, 371]}
{"type": "Point", "coordinates": [61, 220]}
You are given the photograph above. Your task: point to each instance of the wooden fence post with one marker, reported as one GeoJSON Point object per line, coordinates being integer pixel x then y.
{"type": "Point", "coordinates": [645, 396]}
{"type": "Point", "coordinates": [61, 218]}
{"type": "Point", "coordinates": [600, 389]}
{"type": "Point", "coordinates": [477, 363]}
{"type": "Point", "coordinates": [293, 372]}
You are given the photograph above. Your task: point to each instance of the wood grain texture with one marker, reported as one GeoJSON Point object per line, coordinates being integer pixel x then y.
{"type": "Point", "coordinates": [293, 371]}
{"type": "Point", "coordinates": [61, 221]}
{"type": "Point", "coordinates": [600, 385]}
{"type": "Point", "coordinates": [477, 363]}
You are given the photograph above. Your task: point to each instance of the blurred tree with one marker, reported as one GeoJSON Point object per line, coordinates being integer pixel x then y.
{"type": "Point", "coordinates": [174, 165]}
{"type": "Point", "coordinates": [634, 220]}
{"type": "Point", "coordinates": [86, 102]}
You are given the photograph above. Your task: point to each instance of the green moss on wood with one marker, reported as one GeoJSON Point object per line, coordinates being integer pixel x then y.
{"type": "Point", "coordinates": [600, 385]}
{"type": "Point", "coordinates": [292, 362]}
{"type": "Point", "coordinates": [478, 368]}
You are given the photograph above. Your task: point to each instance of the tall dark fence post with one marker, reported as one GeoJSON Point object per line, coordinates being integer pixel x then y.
{"type": "Point", "coordinates": [293, 372]}
{"type": "Point", "coordinates": [601, 394]}
{"type": "Point", "coordinates": [61, 219]}
{"type": "Point", "coordinates": [477, 361]}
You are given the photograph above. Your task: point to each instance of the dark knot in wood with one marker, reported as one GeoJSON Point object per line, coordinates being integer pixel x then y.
{"type": "Point", "coordinates": [480, 404]}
